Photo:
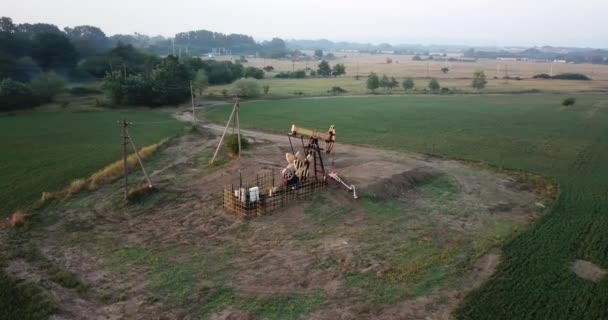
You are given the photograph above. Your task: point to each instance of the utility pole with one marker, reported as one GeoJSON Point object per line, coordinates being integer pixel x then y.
{"type": "Point", "coordinates": [192, 96]}
{"type": "Point", "coordinates": [138, 158]}
{"type": "Point", "coordinates": [234, 110]}
{"type": "Point", "coordinates": [238, 123]}
{"type": "Point", "coordinates": [124, 125]}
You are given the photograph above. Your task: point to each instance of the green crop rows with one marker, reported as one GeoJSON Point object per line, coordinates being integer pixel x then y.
{"type": "Point", "coordinates": [44, 151]}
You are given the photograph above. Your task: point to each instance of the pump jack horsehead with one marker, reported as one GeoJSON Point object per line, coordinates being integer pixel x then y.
{"type": "Point", "coordinates": [298, 165]}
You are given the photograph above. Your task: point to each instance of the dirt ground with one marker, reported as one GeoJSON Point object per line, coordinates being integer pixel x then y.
{"type": "Point", "coordinates": [423, 233]}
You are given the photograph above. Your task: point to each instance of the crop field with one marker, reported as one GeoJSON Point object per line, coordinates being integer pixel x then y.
{"type": "Point", "coordinates": [459, 76]}
{"type": "Point", "coordinates": [45, 150]}
{"type": "Point", "coordinates": [532, 133]}
{"type": "Point", "coordinates": [312, 87]}
{"type": "Point", "coordinates": [403, 65]}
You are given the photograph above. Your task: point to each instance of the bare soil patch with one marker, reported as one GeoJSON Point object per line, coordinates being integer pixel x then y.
{"type": "Point", "coordinates": [588, 270]}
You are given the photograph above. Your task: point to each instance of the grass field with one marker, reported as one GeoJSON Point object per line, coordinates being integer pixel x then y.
{"type": "Point", "coordinates": [44, 151]}
{"type": "Point", "coordinates": [525, 132]}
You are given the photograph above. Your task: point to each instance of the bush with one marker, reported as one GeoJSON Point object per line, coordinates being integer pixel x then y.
{"type": "Point", "coordinates": [46, 86]}
{"type": "Point", "coordinates": [268, 68]}
{"type": "Point", "coordinates": [434, 85]}
{"type": "Point", "coordinates": [231, 142]}
{"type": "Point", "coordinates": [247, 88]}
{"type": "Point", "coordinates": [542, 76]}
{"type": "Point", "coordinates": [563, 76]}
{"type": "Point", "coordinates": [479, 80]}
{"type": "Point", "coordinates": [298, 74]}
{"type": "Point", "coordinates": [337, 90]}
{"type": "Point", "coordinates": [408, 84]}
{"type": "Point", "coordinates": [569, 102]}
{"type": "Point", "coordinates": [15, 95]}
{"type": "Point", "coordinates": [253, 72]}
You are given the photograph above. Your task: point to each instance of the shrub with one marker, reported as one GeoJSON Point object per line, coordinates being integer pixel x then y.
{"type": "Point", "coordinates": [266, 89]}
{"type": "Point", "coordinates": [231, 142]}
{"type": "Point", "coordinates": [337, 90]}
{"type": "Point", "coordinates": [434, 85]}
{"type": "Point", "coordinates": [542, 76]}
{"type": "Point", "coordinates": [15, 95]}
{"type": "Point", "coordinates": [47, 85]}
{"type": "Point", "coordinates": [247, 88]}
{"type": "Point", "coordinates": [563, 76]}
{"type": "Point", "coordinates": [298, 74]}
{"type": "Point", "coordinates": [479, 80]}
{"type": "Point", "coordinates": [253, 72]}
{"type": "Point", "coordinates": [569, 102]}
{"type": "Point", "coordinates": [445, 90]}
{"type": "Point", "coordinates": [268, 68]}
{"type": "Point", "coordinates": [408, 84]}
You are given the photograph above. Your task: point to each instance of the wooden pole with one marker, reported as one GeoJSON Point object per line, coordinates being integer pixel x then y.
{"type": "Point", "coordinates": [192, 96]}
{"type": "Point", "coordinates": [139, 159]}
{"type": "Point", "coordinates": [223, 134]}
{"type": "Point", "coordinates": [124, 155]}
{"type": "Point", "coordinates": [238, 124]}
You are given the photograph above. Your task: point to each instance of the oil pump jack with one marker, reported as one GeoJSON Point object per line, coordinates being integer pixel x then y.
{"type": "Point", "coordinates": [298, 168]}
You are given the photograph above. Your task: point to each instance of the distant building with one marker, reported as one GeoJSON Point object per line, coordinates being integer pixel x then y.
{"type": "Point", "coordinates": [506, 59]}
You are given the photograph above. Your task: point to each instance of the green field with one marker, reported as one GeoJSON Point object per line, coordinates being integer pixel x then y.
{"type": "Point", "coordinates": [526, 132]}
{"type": "Point", "coordinates": [44, 151]}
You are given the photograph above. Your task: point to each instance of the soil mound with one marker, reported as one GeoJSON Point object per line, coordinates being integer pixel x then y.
{"type": "Point", "coordinates": [399, 184]}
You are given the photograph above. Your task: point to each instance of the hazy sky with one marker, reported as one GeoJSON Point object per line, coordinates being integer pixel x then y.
{"type": "Point", "coordinates": [473, 22]}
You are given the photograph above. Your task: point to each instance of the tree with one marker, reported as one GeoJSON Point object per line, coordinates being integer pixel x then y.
{"type": "Point", "coordinates": [46, 86]}
{"type": "Point", "coordinates": [249, 88]}
{"type": "Point", "coordinates": [266, 89]}
{"type": "Point", "coordinates": [393, 83]}
{"type": "Point", "coordinates": [408, 84]}
{"type": "Point", "coordinates": [389, 60]}
{"type": "Point", "coordinates": [569, 102]}
{"type": "Point", "coordinates": [275, 48]}
{"type": "Point", "coordinates": [88, 40]}
{"type": "Point", "coordinates": [479, 80]}
{"type": "Point", "coordinates": [373, 82]}
{"type": "Point", "coordinates": [319, 53]}
{"type": "Point", "coordinates": [201, 82]}
{"type": "Point", "coordinates": [338, 70]}
{"type": "Point", "coordinates": [434, 85]}
{"type": "Point", "coordinates": [385, 82]}
{"type": "Point", "coordinates": [324, 69]}
{"type": "Point", "coordinates": [416, 58]}
{"type": "Point", "coordinates": [53, 51]}
{"type": "Point", "coordinates": [268, 68]}
{"type": "Point", "coordinates": [7, 25]}
{"type": "Point", "coordinates": [445, 70]}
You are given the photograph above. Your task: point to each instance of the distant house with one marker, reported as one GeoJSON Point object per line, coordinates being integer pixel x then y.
{"type": "Point", "coordinates": [559, 61]}
{"type": "Point", "coordinates": [506, 59]}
